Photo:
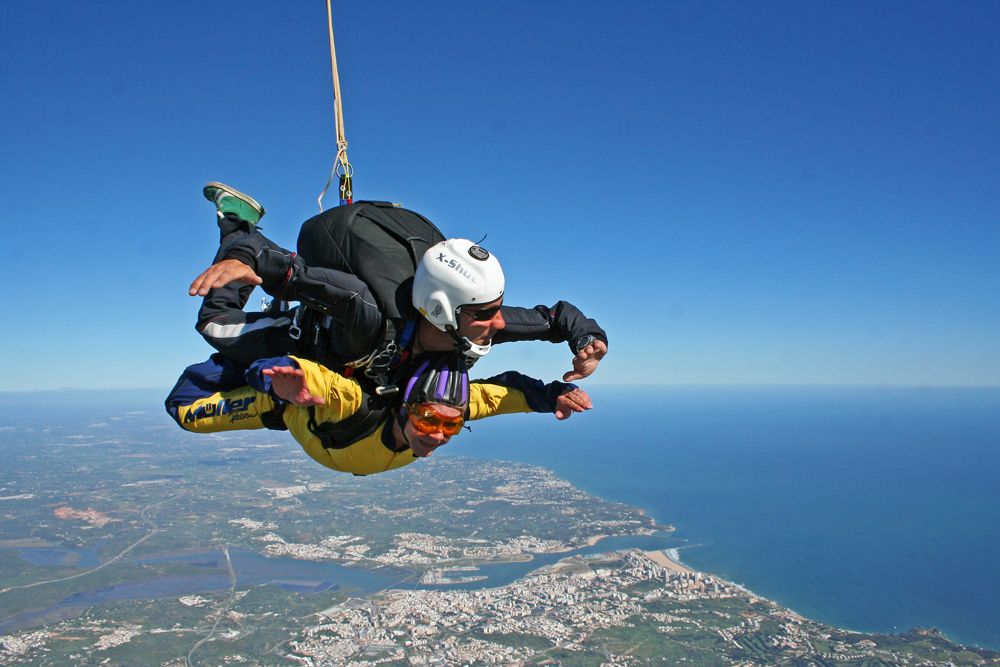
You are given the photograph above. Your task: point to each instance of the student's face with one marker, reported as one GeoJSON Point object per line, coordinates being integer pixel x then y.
{"type": "Point", "coordinates": [480, 332]}
{"type": "Point", "coordinates": [424, 444]}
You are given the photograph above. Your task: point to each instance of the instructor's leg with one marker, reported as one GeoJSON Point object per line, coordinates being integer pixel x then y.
{"type": "Point", "coordinates": [243, 337]}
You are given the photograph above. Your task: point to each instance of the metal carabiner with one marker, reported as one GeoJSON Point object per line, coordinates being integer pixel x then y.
{"type": "Point", "coordinates": [294, 332]}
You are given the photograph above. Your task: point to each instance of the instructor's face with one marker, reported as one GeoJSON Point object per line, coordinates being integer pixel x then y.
{"type": "Point", "coordinates": [481, 331]}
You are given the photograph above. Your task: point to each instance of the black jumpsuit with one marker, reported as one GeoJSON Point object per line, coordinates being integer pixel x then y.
{"type": "Point", "coordinates": [338, 321]}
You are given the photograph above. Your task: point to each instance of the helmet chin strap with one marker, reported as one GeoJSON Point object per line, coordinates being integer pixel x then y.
{"type": "Point", "coordinates": [467, 346]}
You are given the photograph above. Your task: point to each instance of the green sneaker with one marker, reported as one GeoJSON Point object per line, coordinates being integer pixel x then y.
{"type": "Point", "coordinates": [228, 200]}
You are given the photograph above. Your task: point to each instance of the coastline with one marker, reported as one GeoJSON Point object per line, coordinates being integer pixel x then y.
{"type": "Point", "coordinates": [668, 561]}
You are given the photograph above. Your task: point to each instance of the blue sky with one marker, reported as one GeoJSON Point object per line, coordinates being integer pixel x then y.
{"type": "Point", "coordinates": [762, 192]}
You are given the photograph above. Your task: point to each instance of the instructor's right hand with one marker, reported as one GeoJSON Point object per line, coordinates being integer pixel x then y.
{"type": "Point", "coordinates": [221, 274]}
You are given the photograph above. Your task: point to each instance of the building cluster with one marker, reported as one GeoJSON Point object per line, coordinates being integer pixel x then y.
{"type": "Point", "coordinates": [254, 525]}
{"type": "Point", "coordinates": [408, 549]}
{"type": "Point", "coordinates": [120, 635]}
{"type": "Point", "coordinates": [277, 547]}
{"type": "Point", "coordinates": [15, 645]}
{"type": "Point", "coordinates": [562, 604]}
{"type": "Point", "coordinates": [108, 635]}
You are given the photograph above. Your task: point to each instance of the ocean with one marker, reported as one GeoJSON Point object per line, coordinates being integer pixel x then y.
{"type": "Point", "coordinates": [871, 509]}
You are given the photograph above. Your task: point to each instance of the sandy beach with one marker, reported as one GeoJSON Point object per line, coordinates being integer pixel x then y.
{"type": "Point", "coordinates": [661, 558]}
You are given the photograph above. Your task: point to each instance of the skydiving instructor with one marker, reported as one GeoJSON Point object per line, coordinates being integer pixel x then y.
{"type": "Point", "coordinates": [339, 322]}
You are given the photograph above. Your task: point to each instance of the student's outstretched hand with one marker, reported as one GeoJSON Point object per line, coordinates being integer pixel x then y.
{"type": "Point", "coordinates": [221, 274]}
{"type": "Point", "coordinates": [586, 360]}
{"type": "Point", "coordinates": [574, 400]}
{"type": "Point", "coordinates": [290, 385]}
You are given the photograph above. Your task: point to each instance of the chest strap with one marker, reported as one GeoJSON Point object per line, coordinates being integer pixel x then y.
{"type": "Point", "coordinates": [373, 412]}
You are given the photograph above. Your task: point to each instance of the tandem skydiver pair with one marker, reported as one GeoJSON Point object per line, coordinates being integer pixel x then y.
{"type": "Point", "coordinates": [337, 369]}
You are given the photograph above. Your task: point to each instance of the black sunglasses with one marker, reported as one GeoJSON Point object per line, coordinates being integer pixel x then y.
{"type": "Point", "coordinates": [483, 314]}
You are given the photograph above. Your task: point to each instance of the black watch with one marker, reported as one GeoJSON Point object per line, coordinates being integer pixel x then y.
{"type": "Point", "coordinates": [584, 341]}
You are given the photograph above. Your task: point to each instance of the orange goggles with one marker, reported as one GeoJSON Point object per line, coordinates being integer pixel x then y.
{"type": "Point", "coordinates": [428, 420]}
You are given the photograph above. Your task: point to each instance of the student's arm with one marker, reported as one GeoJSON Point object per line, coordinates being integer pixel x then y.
{"type": "Point", "coordinates": [291, 386]}
{"type": "Point", "coordinates": [513, 392]}
{"type": "Point", "coordinates": [332, 396]}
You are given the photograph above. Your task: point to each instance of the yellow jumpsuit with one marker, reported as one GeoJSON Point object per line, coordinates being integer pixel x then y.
{"type": "Point", "coordinates": [241, 409]}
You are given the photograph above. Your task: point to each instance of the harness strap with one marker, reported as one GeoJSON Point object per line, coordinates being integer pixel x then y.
{"type": "Point", "coordinates": [272, 419]}
{"type": "Point", "coordinates": [381, 362]}
{"type": "Point", "coordinates": [358, 426]}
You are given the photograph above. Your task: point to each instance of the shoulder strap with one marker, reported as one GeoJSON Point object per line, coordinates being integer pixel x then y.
{"type": "Point", "coordinates": [338, 435]}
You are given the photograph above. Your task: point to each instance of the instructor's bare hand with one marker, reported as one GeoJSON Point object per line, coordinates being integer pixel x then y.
{"type": "Point", "coordinates": [290, 385]}
{"type": "Point", "coordinates": [574, 400]}
{"type": "Point", "coordinates": [221, 274]}
{"type": "Point", "coordinates": [586, 360]}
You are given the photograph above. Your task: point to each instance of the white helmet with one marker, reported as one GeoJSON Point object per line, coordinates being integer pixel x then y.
{"type": "Point", "coordinates": [452, 274]}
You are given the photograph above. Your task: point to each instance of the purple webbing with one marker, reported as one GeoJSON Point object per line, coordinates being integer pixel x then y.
{"type": "Point", "coordinates": [408, 394]}
{"type": "Point", "coordinates": [441, 391]}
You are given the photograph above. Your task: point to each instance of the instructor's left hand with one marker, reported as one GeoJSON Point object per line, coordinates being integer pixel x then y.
{"type": "Point", "coordinates": [586, 360]}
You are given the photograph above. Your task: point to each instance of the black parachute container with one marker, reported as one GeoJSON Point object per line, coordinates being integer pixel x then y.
{"type": "Point", "coordinates": [376, 241]}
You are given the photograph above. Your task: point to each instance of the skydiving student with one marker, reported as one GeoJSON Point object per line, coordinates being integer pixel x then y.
{"type": "Point", "coordinates": [340, 323]}
{"type": "Point", "coordinates": [309, 400]}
